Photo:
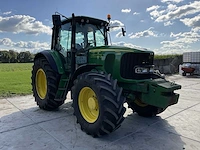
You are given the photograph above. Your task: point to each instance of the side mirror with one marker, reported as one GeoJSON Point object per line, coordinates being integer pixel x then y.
{"type": "Point", "coordinates": [123, 32]}
{"type": "Point", "coordinates": [56, 20]}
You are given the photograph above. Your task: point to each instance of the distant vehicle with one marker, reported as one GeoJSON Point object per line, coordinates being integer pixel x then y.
{"type": "Point", "coordinates": [191, 63]}
{"type": "Point", "coordinates": [187, 68]}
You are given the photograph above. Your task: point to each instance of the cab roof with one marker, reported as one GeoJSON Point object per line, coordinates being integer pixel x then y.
{"type": "Point", "coordinates": [85, 19]}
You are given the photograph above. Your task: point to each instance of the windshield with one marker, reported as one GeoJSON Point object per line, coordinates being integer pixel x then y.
{"type": "Point", "coordinates": [86, 36]}
{"type": "Point", "coordinates": [90, 35]}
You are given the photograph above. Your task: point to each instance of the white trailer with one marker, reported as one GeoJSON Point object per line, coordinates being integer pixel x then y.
{"type": "Point", "coordinates": [191, 57]}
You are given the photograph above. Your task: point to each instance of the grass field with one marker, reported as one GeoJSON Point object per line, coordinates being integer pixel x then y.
{"type": "Point", "coordinates": [15, 79]}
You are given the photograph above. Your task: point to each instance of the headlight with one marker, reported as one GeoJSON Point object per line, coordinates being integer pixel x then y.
{"type": "Point", "coordinates": [142, 70]}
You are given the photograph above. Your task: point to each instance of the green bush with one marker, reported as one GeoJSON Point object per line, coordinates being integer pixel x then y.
{"type": "Point", "coordinates": [166, 56]}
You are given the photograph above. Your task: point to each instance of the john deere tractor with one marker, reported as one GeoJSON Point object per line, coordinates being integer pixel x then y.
{"type": "Point", "coordinates": [101, 78]}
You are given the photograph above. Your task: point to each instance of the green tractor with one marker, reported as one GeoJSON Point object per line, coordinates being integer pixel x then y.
{"type": "Point", "coordinates": [101, 78]}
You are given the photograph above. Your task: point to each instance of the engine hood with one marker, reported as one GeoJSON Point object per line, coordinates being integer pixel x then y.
{"type": "Point", "coordinates": [118, 49]}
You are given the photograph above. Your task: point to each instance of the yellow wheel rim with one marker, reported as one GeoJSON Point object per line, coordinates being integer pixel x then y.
{"type": "Point", "coordinates": [88, 104]}
{"type": "Point", "coordinates": [41, 83]}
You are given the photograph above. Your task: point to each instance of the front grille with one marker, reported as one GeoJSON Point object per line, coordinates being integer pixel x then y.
{"type": "Point", "coordinates": [130, 60]}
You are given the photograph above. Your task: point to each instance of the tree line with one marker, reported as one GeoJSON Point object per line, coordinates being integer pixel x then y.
{"type": "Point", "coordinates": [12, 56]}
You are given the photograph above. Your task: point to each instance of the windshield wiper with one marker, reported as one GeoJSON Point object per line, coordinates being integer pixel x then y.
{"type": "Point", "coordinates": [99, 30]}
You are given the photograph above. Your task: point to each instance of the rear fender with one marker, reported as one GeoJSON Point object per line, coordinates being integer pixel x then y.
{"type": "Point", "coordinates": [54, 59]}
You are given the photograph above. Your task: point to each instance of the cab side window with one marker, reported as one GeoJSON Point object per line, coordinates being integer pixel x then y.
{"type": "Point", "coordinates": [65, 39]}
{"type": "Point", "coordinates": [79, 41]}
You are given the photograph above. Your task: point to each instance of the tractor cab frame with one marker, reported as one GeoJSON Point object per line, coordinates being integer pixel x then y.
{"type": "Point", "coordinates": [74, 36]}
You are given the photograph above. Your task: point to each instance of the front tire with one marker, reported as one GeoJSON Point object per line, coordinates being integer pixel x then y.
{"type": "Point", "coordinates": [98, 103]}
{"type": "Point", "coordinates": [45, 84]}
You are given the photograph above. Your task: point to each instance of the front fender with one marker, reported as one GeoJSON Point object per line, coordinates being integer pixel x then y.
{"type": "Point", "coordinates": [80, 70]}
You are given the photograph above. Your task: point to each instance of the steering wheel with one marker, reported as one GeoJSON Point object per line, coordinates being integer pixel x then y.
{"type": "Point", "coordinates": [78, 47]}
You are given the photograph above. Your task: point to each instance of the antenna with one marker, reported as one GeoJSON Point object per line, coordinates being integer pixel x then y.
{"type": "Point", "coordinates": [110, 38]}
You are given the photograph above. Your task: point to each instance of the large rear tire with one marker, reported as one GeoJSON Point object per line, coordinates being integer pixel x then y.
{"type": "Point", "coordinates": [98, 103]}
{"type": "Point", "coordinates": [45, 84]}
{"type": "Point", "coordinates": [143, 109]}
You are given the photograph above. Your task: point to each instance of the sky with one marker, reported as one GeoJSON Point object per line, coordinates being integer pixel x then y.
{"type": "Point", "coordinates": [163, 26]}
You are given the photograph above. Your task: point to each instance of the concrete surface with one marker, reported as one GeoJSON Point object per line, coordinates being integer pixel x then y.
{"type": "Point", "coordinates": [23, 126]}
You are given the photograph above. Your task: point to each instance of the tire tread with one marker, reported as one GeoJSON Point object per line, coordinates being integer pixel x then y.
{"type": "Point", "coordinates": [111, 100]}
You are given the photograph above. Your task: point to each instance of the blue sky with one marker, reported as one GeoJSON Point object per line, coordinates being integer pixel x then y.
{"type": "Point", "coordinates": [163, 26]}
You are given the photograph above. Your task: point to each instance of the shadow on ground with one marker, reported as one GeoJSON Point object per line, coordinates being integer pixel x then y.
{"type": "Point", "coordinates": [34, 128]}
{"type": "Point", "coordinates": [192, 76]}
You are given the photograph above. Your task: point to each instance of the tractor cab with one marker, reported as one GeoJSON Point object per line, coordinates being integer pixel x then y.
{"type": "Point", "coordinates": [78, 34]}
{"type": "Point", "coordinates": [74, 36]}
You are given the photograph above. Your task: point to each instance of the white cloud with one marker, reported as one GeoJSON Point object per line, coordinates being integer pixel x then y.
{"type": "Point", "coordinates": [154, 7]}
{"type": "Point", "coordinates": [122, 43]}
{"type": "Point", "coordinates": [23, 24]}
{"type": "Point", "coordinates": [6, 42]}
{"type": "Point", "coordinates": [167, 14]}
{"type": "Point", "coordinates": [119, 34]}
{"type": "Point", "coordinates": [181, 43]}
{"type": "Point", "coordinates": [175, 35]}
{"type": "Point", "coordinates": [7, 13]}
{"type": "Point", "coordinates": [171, 7]}
{"type": "Point", "coordinates": [136, 13]}
{"type": "Point", "coordinates": [168, 23]}
{"type": "Point", "coordinates": [145, 33]}
{"type": "Point", "coordinates": [24, 45]}
{"type": "Point", "coordinates": [126, 10]}
{"type": "Point", "coordinates": [179, 12]}
{"type": "Point", "coordinates": [167, 51]}
{"type": "Point", "coordinates": [192, 22]}
{"type": "Point", "coordinates": [173, 1]}
{"type": "Point", "coordinates": [156, 13]}
{"type": "Point", "coordinates": [116, 25]}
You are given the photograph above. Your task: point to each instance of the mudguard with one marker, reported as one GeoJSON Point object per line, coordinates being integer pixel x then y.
{"type": "Point", "coordinates": [81, 69]}
{"type": "Point", "coordinates": [54, 59]}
